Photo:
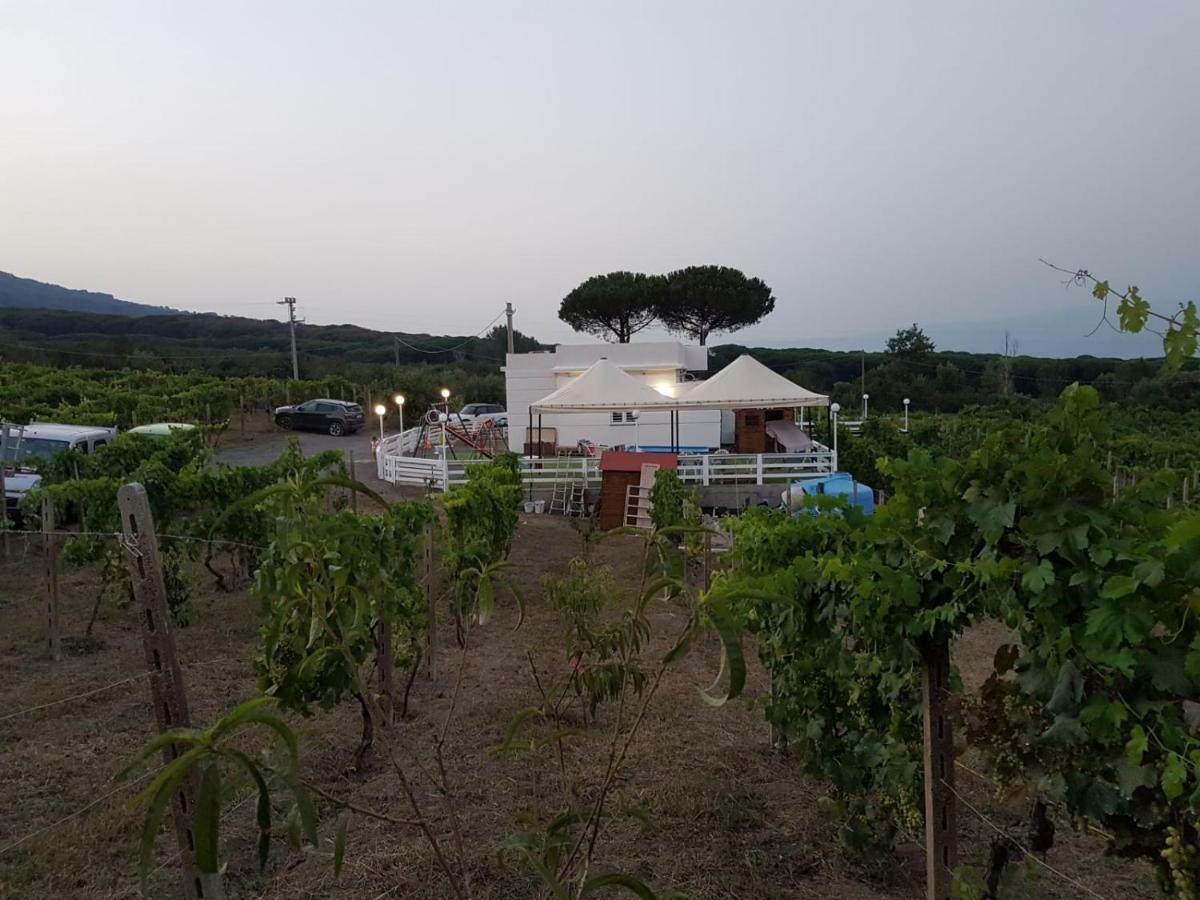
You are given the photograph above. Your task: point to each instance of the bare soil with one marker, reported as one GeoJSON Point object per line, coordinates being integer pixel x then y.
{"type": "Point", "coordinates": [714, 812]}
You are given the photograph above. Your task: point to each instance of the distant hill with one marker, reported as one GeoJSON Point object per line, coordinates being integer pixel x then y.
{"type": "Point", "coordinates": [25, 293]}
{"type": "Point", "coordinates": [234, 345]}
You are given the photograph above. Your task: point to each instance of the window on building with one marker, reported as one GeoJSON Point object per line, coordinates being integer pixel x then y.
{"type": "Point", "coordinates": [623, 417]}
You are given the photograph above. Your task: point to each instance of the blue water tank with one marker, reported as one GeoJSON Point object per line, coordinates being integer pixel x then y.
{"type": "Point", "coordinates": [839, 484]}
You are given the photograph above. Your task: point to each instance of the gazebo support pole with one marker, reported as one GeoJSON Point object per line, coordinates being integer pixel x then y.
{"type": "Point", "coordinates": [529, 444]}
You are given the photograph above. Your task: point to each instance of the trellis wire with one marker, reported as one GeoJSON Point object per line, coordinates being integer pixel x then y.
{"type": "Point", "coordinates": [100, 690]}
{"type": "Point", "coordinates": [117, 790]}
{"type": "Point", "coordinates": [116, 535]}
{"type": "Point", "coordinates": [1028, 853]}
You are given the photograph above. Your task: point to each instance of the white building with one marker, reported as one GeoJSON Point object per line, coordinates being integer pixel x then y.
{"type": "Point", "coordinates": [664, 365]}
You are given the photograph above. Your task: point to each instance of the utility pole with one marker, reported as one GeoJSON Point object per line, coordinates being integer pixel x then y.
{"type": "Point", "coordinates": [290, 303]}
{"type": "Point", "coordinates": [508, 311]}
{"type": "Point", "coordinates": [864, 373]}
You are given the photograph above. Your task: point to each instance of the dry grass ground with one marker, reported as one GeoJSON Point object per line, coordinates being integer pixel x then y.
{"type": "Point", "coordinates": [726, 817]}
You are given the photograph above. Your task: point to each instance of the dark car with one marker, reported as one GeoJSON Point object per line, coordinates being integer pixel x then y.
{"type": "Point", "coordinates": [336, 417]}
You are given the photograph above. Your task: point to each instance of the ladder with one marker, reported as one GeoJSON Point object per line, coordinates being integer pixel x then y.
{"type": "Point", "coordinates": [637, 498]}
{"type": "Point", "coordinates": [576, 501]}
{"type": "Point", "coordinates": [569, 498]}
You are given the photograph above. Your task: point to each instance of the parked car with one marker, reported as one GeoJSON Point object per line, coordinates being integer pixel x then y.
{"type": "Point", "coordinates": [31, 445]}
{"type": "Point", "coordinates": [161, 429]}
{"type": "Point", "coordinates": [336, 417]}
{"type": "Point", "coordinates": [473, 411]}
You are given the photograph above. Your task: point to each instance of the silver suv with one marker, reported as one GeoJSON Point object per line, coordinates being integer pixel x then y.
{"type": "Point", "coordinates": [29, 446]}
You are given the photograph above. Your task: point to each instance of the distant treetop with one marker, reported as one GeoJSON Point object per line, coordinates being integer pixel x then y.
{"type": "Point", "coordinates": [697, 301]}
{"type": "Point", "coordinates": [615, 306]}
{"type": "Point", "coordinates": [910, 343]}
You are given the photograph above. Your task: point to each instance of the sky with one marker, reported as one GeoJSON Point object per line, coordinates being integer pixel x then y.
{"type": "Point", "coordinates": [413, 166]}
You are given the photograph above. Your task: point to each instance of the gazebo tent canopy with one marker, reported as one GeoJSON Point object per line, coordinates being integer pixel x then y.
{"type": "Point", "coordinates": [747, 384]}
{"type": "Point", "coordinates": [743, 384]}
{"type": "Point", "coordinates": [602, 387]}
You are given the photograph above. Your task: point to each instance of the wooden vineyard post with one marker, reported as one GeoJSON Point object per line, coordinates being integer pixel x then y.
{"type": "Point", "coordinates": [353, 477]}
{"type": "Point", "coordinates": [941, 821]}
{"type": "Point", "coordinates": [383, 656]}
{"type": "Point", "coordinates": [242, 413]}
{"type": "Point", "coordinates": [430, 604]}
{"type": "Point", "coordinates": [706, 564]}
{"type": "Point", "coordinates": [140, 545]}
{"type": "Point", "coordinates": [4, 487]}
{"type": "Point", "coordinates": [50, 554]}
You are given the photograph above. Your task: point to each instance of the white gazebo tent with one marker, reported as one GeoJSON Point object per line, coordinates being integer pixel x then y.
{"type": "Point", "coordinates": [747, 384]}
{"type": "Point", "coordinates": [601, 387]}
{"type": "Point", "coordinates": [743, 384]}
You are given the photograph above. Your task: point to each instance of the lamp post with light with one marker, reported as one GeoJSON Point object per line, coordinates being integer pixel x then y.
{"type": "Point", "coordinates": [399, 401]}
{"type": "Point", "coordinates": [380, 410]}
{"type": "Point", "coordinates": [637, 444]}
{"type": "Point", "coordinates": [906, 415]}
{"type": "Point", "coordinates": [866, 397]}
{"type": "Point", "coordinates": [446, 417]}
{"type": "Point", "coordinates": [834, 409]}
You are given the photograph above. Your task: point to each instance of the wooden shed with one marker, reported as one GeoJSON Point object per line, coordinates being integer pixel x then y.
{"type": "Point", "coordinates": [618, 472]}
{"type": "Point", "coordinates": [750, 429]}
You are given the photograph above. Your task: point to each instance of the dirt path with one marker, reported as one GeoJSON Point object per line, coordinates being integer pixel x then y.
{"type": "Point", "coordinates": [707, 807]}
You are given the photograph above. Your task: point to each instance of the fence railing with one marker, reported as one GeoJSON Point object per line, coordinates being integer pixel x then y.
{"type": "Point", "coordinates": [754, 468]}
{"type": "Point", "coordinates": [703, 469]}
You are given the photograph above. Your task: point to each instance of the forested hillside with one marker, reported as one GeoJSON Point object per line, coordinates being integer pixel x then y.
{"type": "Point", "coordinates": [233, 345]}
{"type": "Point", "coordinates": [23, 293]}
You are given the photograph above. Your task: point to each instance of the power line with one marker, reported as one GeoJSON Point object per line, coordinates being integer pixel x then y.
{"type": "Point", "coordinates": [475, 336]}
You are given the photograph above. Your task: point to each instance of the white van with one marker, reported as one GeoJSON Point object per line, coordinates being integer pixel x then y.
{"type": "Point", "coordinates": [30, 445]}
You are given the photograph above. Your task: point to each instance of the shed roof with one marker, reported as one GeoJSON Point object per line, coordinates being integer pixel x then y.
{"type": "Point", "coordinates": [623, 461]}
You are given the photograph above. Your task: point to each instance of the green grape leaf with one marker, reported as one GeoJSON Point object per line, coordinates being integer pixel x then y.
{"type": "Point", "coordinates": [1174, 776]}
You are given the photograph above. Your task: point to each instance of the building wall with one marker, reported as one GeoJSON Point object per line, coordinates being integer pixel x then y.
{"type": "Point", "coordinates": [531, 376]}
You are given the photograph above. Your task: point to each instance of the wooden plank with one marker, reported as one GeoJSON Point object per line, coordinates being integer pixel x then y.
{"type": "Point", "coordinates": [383, 656]}
{"type": "Point", "coordinates": [4, 487]}
{"type": "Point", "coordinates": [941, 822]}
{"type": "Point", "coordinates": [430, 604]}
{"type": "Point", "coordinates": [50, 555]}
{"type": "Point", "coordinates": [168, 697]}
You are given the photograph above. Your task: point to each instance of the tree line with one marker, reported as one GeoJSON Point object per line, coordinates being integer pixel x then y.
{"type": "Point", "coordinates": [236, 345]}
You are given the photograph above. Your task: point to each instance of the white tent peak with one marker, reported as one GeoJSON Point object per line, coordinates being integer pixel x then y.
{"type": "Point", "coordinates": [602, 386]}
{"type": "Point", "coordinates": [747, 384]}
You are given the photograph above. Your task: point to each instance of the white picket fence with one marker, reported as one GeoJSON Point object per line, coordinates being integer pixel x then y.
{"type": "Point", "coordinates": [702, 469]}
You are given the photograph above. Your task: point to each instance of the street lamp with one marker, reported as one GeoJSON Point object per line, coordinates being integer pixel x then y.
{"type": "Point", "coordinates": [380, 409]}
{"type": "Point", "coordinates": [906, 415]}
{"type": "Point", "coordinates": [446, 420]}
{"type": "Point", "coordinates": [834, 409]}
{"type": "Point", "coordinates": [866, 397]}
{"type": "Point", "coordinates": [399, 401]}
{"type": "Point", "coordinates": [637, 444]}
